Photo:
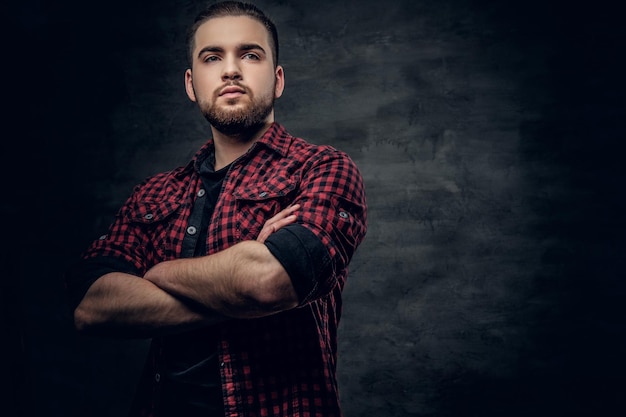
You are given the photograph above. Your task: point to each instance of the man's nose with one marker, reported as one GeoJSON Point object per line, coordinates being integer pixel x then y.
{"type": "Point", "coordinates": [231, 70]}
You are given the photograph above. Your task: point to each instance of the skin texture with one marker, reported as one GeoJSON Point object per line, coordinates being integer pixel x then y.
{"type": "Point", "coordinates": [233, 79]}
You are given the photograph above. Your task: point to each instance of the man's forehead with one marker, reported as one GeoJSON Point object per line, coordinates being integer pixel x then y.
{"type": "Point", "coordinates": [231, 30]}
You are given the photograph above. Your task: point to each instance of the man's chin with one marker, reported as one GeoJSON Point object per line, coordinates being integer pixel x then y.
{"type": "Point", "coordinates": [242, 130]}
{"type": "Point", "coordinates": [240, 119]}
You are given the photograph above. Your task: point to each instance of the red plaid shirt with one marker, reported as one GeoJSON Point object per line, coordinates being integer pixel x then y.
{"type": "Point", "coordinates": [283, 364]}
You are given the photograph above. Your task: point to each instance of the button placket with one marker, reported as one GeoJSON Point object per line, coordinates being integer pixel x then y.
{"type": "Point", "coordinates": [192, 231]}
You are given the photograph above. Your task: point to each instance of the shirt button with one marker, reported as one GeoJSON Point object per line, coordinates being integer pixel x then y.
{"type": "Point", "coordinates": [263, 194]}
{"type": "Point", "coordinates": [157, 377]}
{"type": "Point", "coordinates": [343, 214]}
{"type": "Point", "coordinates": [103, 237]}
{"type": "Point", "coordinates": [192, 230]}
{"type": "Point", "coordinates": [201, 193]}
{"type": "Point", "coordinates": [149, 216]}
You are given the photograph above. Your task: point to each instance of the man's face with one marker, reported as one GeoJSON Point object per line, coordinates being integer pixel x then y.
{"type": "Point", "coordinates": [233, 78]}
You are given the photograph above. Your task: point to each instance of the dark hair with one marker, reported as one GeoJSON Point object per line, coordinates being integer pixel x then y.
{"type": "Point", "coordinates": [232, 8]}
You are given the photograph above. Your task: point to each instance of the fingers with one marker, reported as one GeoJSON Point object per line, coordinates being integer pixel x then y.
{"type": "Point", "coordinates": [283, 218]}
{"type": "Point", "coordinates": [283, 214]}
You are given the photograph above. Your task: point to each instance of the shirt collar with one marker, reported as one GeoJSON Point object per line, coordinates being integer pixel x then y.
{"type": "Point", "coordinates": [276, 138]}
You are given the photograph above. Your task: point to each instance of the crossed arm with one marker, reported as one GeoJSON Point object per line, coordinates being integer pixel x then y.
{"type": "Point", "coordinates": [243, 281]}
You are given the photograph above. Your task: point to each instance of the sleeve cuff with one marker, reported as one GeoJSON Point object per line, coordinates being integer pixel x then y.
{"type": "Point", "coordinates": [303, 256]}
{"type": "Point", "coordinates": [81, 275]}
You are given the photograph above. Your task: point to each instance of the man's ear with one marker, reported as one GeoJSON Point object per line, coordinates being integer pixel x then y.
{"type": "Point", "coordinates": [189, 85]}
{"type": "Point", "coordinates": [280, 81]}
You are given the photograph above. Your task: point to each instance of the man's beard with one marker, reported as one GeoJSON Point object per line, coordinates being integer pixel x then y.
{"type": "Point", "coordinates": [243, 121]}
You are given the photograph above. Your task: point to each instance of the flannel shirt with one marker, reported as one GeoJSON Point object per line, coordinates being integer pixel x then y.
{"type": "Point", "coordinates": [282, 364]}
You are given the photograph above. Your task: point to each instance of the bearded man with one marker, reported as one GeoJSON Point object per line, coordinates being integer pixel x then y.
{"type": "Point", "coordinates": [233, 264]}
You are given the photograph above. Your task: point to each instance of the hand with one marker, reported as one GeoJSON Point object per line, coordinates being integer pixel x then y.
{"type": "Point", "coordinates": [283, 218]}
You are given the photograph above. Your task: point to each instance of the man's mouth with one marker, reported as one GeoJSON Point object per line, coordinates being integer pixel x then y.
{"type": "Point", "coordinates": [231, 91]}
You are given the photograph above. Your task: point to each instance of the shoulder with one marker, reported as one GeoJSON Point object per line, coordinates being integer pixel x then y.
{"type": "Point", "coordinates": [316, 153]}
{"type": "Point", "coordinates": [290, 146]}
{"type": "Point", "coordinates": [332, 165]}
{"type": "Point", "coordinates": [163, 184]}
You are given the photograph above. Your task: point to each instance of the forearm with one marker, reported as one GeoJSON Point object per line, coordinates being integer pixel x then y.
{"type": "Point", "coordinates": [244, 281]}
{"type": "Point", "coordinates": [123, 305]}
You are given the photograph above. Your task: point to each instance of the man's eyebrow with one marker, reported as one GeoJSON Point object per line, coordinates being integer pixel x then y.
{"type": "Point", "coordinates": [242, 47]}
{"type": "Point", "coordinates": [210, 49]}
{"type": "Point", "coordinates": [250, 47]}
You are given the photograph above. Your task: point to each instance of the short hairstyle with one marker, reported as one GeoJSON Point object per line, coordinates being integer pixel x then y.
{"type": "Point", "coordinates": [232, 8]}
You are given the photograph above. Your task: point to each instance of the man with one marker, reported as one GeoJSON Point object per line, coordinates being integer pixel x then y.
{"type": "Point", "coordinates": [235, 263]}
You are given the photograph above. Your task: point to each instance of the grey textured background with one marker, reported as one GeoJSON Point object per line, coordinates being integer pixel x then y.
{"type": "Point", "coordinates": [490, 137]}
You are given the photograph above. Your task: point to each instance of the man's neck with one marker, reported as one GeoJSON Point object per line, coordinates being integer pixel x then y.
{"type": "Point", "coordinates": [230, 147]}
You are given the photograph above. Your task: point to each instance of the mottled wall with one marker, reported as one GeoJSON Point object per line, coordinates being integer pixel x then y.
{"type": "Point", "coordinates": [489, 135]}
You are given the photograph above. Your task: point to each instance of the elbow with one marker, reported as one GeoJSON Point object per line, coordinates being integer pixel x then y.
{"type": "Point", "coordinates": [265, 286]}
{"type": "Point", "coordinates": [88, 324]}
{"type": "Point", "coordinates": [272, 294]}
{"type": "Point", "coordinates": [83, 321]}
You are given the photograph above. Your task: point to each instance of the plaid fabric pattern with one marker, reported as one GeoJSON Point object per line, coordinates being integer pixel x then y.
{"type": "Point", "coordinates": [284, 364]}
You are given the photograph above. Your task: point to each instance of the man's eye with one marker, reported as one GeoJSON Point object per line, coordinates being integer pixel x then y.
{"type": "Point", "coordinates": [251, 56]}
{"type": "Point", "coordinates": [210, 58]}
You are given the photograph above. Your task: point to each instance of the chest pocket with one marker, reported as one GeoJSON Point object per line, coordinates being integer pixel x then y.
{"type": "Point", "coordinates": [258, 203]}
{"type": "Point", "coordinates": [156, 222]}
